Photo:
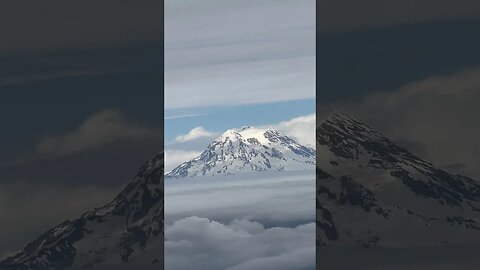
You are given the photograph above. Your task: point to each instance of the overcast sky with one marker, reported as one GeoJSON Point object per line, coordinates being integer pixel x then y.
{"type": "Point", "coordinates": [345, 15]}
{"type": "Point", "coordinates": [238, 52]}
{"type": "Point", "coordinates": [58, 25]}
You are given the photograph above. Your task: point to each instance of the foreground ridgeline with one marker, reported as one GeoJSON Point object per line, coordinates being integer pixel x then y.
{"type": "Point", "coordinates": [371, 192]}
{"type": "Point", "coordinates": [126, 232]}
{"type": "Point", "coordinates": [248, 150]}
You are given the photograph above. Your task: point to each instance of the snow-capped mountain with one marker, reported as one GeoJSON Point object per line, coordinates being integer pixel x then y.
{"type": "Point", "coordinates": [126, 232]}
{"type": "Point", "coordinates": [371, 192]}
{"type": "Point", "coordinates": [245, 150]}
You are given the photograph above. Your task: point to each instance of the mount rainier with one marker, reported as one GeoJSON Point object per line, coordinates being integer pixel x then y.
{"type": "Point", "coordinates": [246, 150]}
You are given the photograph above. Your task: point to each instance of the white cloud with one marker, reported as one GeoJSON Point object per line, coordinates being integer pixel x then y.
{"type": "Point", "coordinates": [192, 242]}
{"type": "Point", "coordinates": [227, 84]}
{"type": "Point", "coordinates": [258, 221]}
{"type": "Point", "coordinates": [301, 258]}
{"type": "Point", "coordinates": [195, 133]}
{"type": "Point", "coordinates": [436, 118]}
{"type": "Point", "coordinates": [174, 158]}
{"type": "Point", "coordinates": [279, 197]}
{"type": "Point", "coordinates": [99, 129]}
{"type": "Point", "coordinates": [180, 116]}
{"type": "Point", "coordinates": [301, 128]}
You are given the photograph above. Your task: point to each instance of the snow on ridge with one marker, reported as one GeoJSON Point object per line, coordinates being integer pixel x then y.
{"type": "Point", "coordinates": [248, 149]}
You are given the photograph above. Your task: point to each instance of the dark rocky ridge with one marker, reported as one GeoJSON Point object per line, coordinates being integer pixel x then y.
{"type": "Point", "coordinates": [135, 218]}
{"type": "Point", "coordinates": [359, 169]}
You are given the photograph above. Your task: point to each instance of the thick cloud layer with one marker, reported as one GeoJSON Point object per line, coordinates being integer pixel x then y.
{"type": "Point", "coordinates": [258, 221]}
{"type": "Point", "coordinates": [195, 243]}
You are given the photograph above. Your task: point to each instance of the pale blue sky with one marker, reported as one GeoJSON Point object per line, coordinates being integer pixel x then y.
{"type": "Point", "coordinates": [221, 118]}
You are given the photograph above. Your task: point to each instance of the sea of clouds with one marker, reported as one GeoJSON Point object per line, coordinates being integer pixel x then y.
{"type": "Point", "coordinates": [241, 222]}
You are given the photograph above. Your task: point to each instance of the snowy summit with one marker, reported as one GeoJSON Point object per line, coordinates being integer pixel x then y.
{"type": "Point", "coordinates": [246, 150]}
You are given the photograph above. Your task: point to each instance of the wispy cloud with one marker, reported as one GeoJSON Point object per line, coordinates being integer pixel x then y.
{"type": "Point", "coordinates": [174, 158]}
{"type": "Point", "coordinates": [351, 14]}
{"type": "Point", "coordinates": [78, 24]}
{"type": "Point", "coordinates": [437, 118]}
{"type": "Point", "coordinates": [233, 60]}
{"type": "Point", "coordinates": [301, 128]}
{"type": "Point", "coordinates": [195, 133]}
{"type": "Point", "coordinates": [69, 173]}
{"type": "Point", "coordinates": [102, 128]}
{"type": "Point", "coordinates": [268, 81]}
{"type": "Point", "coordinates": [180, 116]}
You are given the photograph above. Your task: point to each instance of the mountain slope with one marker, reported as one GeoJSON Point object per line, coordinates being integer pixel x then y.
{"type": "Point", "coordinates": [248, 149]}
{"type": "Point", "coordinates": [371, 192]}
{"type": "Point", "coordinates": [127, 231]}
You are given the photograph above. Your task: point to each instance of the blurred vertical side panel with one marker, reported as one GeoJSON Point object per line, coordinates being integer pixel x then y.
{"type": "Point", "coordinates": [398, 94]}
{"type": "Point", "coordinates": [81, 160]}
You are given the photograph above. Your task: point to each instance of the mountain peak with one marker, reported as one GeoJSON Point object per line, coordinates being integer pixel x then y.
{"type": "Point", "coordinates": [346, 122]}
{"type": "Point", "coordinates": [365, 178]}
{"type": "Point", "coordinates": [248, 149]}
{"type": "Point", "coordinates": [127, 229]}
{"type": "Point", "coordinates": [230, 134]}
{"type": "Point", "coordinates": [338, 115]}
{"type": "Point", "coordinates": [341, 131]}
{"type": "Point", "coordinates": [272, 131]}
{"type": "Point", "coordinates": [348, 138]}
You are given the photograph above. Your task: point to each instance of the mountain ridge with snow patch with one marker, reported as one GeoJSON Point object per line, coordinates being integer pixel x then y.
{"type": "Point", "coordinates": [248, 149]}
